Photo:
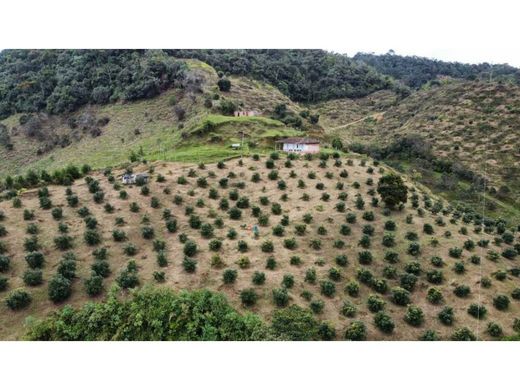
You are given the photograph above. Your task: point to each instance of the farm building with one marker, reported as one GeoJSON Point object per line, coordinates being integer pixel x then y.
{"type": "Point", "coordinates": [299, 145]}
{"type": "Point", "coordinates": [132, 178]}
{"type": "Point", "coordinates": [246, 113]}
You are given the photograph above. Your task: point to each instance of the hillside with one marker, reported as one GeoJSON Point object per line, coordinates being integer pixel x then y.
{"type": "Point", "coordinates": [471, 125]}
{"type": "Point", "coordinates": [319, 246]}
{"type": "Point", "coordinates": [165, 127]}
{"type": "Point", "coordinates": [417, 71]}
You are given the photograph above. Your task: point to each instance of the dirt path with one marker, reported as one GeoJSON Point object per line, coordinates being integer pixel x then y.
{"type": "Point", "coordinates": [376, 116]}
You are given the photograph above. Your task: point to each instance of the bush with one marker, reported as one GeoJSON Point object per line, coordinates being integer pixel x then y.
{"type": "Point", "coordinates": [267, 246]}
{"type": "Point", "coordinates": [356, 331]}
{"type": "Point", "coordinates": [127, 279]}
{"type": "Point", "coordinates": [119, 235]}
{"type": "Point", "coordinates": [375, 303]}
{"type": "Point", "coordinates": [463, 334]}
{"type": "Point", "coordinates": [414, 315]}
{"type": "Point", "coordinates": [5, 263]}
{"type": "Point", "coordinates": [18, 299]}
{"type": "Point", "coordinates": [462, 291]}
{"type": "Point", "coordinates": [400, 296]}
{"type": "Point", "coordinates": [327, 288]}
{"type": "Point", "coordinates": [258, 278]}
{"type": "Point", "coordinates": [34, 259]}
{"type": "Point", "coordinates": [229, 276]}
{"type": "Point", "coordinates": [494, 330]}
{"type": "Point", "coordinates": [92, 237]}
{"type": "Point", "coordinates": [280, 297]}
{"type": "Point", "coordinates": [446, 315]}
{"type": "Point", "coordinates": [67, 267]}
{"type": "Point", "coordinates": [147, 232]}
{"type": "Point", "coordinates": [189, 265]}
{"type": "Point", "coordinates": [384, 322]}
{"type": "Point", "coordinates": [477, 311]}
{"type": "Point", "coordinates": [408, 281]}
{"type": "Point", "coordinates": [429, 335]}
{"type": "Point", "coordinates": [248, 297]}
{"type": "Point", "coordinates": [295, 324]}
{"type": "Point", "coordinates": [190, 248]}
{"type": "Point", "coordinates": [434, 295]}
{"type": "Point", "coordinates": [94, 285]}
{"type": "Point", "coordinates": [59, 289]}
{"type": "Point", "coordinates": [33, 277]}
{"type": "Point", "coordinates": [501, 302]}
{"type": "Point", "coordinates": [101, 268]}
{"type": "Point", "coordinates": [392, 190]}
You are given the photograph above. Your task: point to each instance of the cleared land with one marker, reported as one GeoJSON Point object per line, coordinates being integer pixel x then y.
{"type": "Point", "coordinates": [325, 238]}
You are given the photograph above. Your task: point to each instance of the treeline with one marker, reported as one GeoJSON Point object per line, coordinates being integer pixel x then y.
{"type": "Point", "coordinates": [60, 81]}
{"type": "Point", "coordinates": [416, 71]}
{"type": "Point", "coordinates": [302, 75]}
{"type": "Point", "coordinates": [161, 314]}
{"type": "Point", "coordinates": [65, 176]}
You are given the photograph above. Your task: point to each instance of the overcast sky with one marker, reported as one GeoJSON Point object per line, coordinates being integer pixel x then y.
{"type": "Point", "coordinates": [453, 30]}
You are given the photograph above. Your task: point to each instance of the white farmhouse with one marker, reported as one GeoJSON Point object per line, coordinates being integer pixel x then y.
{"type": "Point", "coordinates": [299, 145]}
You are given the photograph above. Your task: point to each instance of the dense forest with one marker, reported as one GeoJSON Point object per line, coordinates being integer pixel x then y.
{"type": "Point", "coordinates": [60, 81]}
{"type": "Point", "coordinates": [303, 75]}
{"type": "Point", "coordinates": [416, 71]}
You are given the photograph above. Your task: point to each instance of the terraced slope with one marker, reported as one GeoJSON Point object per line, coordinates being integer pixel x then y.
{"type": "Point", "coordinates": [318, 245]}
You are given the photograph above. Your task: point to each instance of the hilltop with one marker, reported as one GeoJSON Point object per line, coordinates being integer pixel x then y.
{"type": "Point", "coordinates": [326, 242]}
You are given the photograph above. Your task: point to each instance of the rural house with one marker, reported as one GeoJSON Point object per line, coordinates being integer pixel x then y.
{"type": "Point", "coordinates": [246, 113]}
{"type": "Point", "coordinates": [299, 145]}
{"type": "Point", "coordinates": [131, 178]}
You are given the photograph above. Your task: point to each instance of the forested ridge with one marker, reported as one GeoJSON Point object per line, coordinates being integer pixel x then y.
{"type": "Point", "coordinates": [415, 71]}
{"type": "Point", "coordinates": [60, 81]}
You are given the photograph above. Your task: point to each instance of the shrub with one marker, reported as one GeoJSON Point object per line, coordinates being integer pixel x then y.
{"type": "Point", "coordinates": [235, 213]}
{"type": "Point", "coordinates": [463, 334]}
{"type": "Point", "coordinates": [59, 289]}
{"type": "Point", "coordinates": [248, 297]}
{"type": "Point", "coordinates": [147, 232]}
{"type": "Point", "coordinates": [288, 281]}
{"type": "Point", "coordinates": [434, 295]}
{"type": "Point", "coordinates": [18, 299]}
{"type": "Point", "coordinates": [229, 276]}
{"type": "Point", "coordinates": [63, 242]}
{"type": "Point", "coordinates": [101, 268]}
{"type": "Point", "coordinates": [327, 288]}
{"type": "Point", "coordinates": [31, 244]}
{"type": "Point", "coordinates": [34, 259]}
{"type": "Point", "coordinates": [190, 248]}
{"type": "Point", "coordinates": [280, 297]}
{"type": "Point", "coordinates": [462, 291]}
{"type": "Point", "coordinates": [119, 235]}
{"type": "Point", "coordinates": [435, 277]}
{"type": "Point", "coordinates": [33, 277]}
{"type": "Point", "coordinates": [5, 263]}
{"type": "Point", "coordinates": [400, 296]}
{"type": "Point", "coordinates": [501, 302]}
{"type": "Point", "coordinates": [317, 306]}
{"type": "Point", "coordinates": [258, 278]}
{"type": "Point", "coordinates": [375, 303]}
{"type": "Point", "coordinates": [267, 246]}
{"type": "Point", "coordinates": [92, 237]}
{"type": "Point", "coordinates": [429, 335]}
{"type": "Point", "coordinates": [414, 249]}
{"type": "Point", "coordinates": [494, 330]}
{"type": "Point", "coordinates": [352, 289]}
{"type": "Point", "coordinates": [408, 281]}
{"type": "Point", "coordinates": [94, 285]}
{"type": "Point", "coordinates": [446, 315]}
{"type": "Point", "coordinates": [455, 252]}
{"type": "Point", "coordinates": [427, 228]}
{"type": "Point", "coordinates": [127, 279]}
{"type": "Point", "coordinates": [356, 331]}
{"type": "Point", "coordinates": [477, 311]}
{"type": "Point", "coordinates": [414, 315]}
{"type": "Point", "coordinates": [384, 322]}
{"type": "Point", "coordinates": [67, 266]}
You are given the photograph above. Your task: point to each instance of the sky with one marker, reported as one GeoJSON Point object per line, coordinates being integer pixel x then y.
{"type": "Point", "coordinates": [452, 30]}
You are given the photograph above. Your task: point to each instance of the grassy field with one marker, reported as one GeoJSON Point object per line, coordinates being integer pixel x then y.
{"type": "Point", "coordinates": [313, 268]}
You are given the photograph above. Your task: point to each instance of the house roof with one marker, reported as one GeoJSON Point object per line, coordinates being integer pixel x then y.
{"type": "Point", "coordinates": [298, 140]}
